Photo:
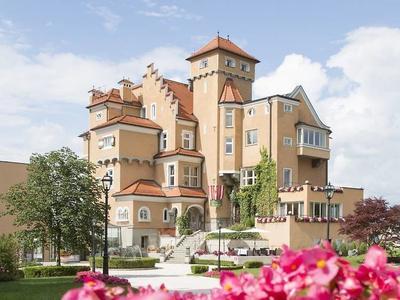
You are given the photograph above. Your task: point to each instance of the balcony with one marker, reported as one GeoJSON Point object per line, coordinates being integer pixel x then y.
{"type": "Point", "coordinates": [312, 151]}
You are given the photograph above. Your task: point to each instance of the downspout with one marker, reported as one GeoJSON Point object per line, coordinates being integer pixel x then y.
{"type": "Point", "coordinates": [204, 203]}
{"type": "Point", "coordinates": [270, 128]}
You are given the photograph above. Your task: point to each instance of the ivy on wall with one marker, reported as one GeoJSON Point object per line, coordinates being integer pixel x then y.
{"type": "Point", "coordinates": [183, 224]}
{"type": "Point", "coordinates": [262, 197]}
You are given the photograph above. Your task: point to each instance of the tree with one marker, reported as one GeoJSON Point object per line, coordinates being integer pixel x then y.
{"type": "Point", "coordinates": [262, 197]}
{"type": "Point", "coordinates": [373, 222]}
{"type": "Point", "coordinates": [58, 203]}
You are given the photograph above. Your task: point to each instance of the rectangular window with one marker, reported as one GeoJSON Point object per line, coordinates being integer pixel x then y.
{"type": "Point", "coordinates": [187, 140]}
{"type": "Point", "coordinates": [251, 137]}
{"type": "Point", "coordinates": [228, 118]}
{"type": "Point", "coordinates": [99, 116]}
{"type": "Point", "coordinates": [321, 210]}
{"type": "Point", "coordinates": [204, 63]}
{"type": "Point", "coordinates": [143, 112]}
{"type": "Point", "coordinates": [171, 175]}
{"type": "Point", "coordinates": [190, 176]}
{"type": "Point", "coordinates": [245, 67]}
{"type": "Point", "coordinates": [108, 142]}
{"type": "Point", "coordinates": [287, 107]}
{"type": "Point", "coordinates": [153, 111]}
{"type": "Point", "coordinates": [287, 177]}
{"type": "Point", "coordinates": [248, 177]}
{"type": "Point", "coordinates": [230, 62]}
{"type": "Point", "coordinates": [291, 209]}
{"type": "Point", "coordinates": [228, 145]}
{"type": "Point", "coordinates": [163, 140]}
{"type": "Point", "coordinates": [311, 137]}
{"type": "Point", "coordinates": [287, 141]}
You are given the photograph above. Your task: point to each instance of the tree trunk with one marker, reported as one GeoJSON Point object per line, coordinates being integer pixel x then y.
{"type": "Point", "coordinates": [58, 249]}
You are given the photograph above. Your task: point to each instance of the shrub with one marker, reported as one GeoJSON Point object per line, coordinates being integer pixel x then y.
{"type": "Point", "coordinates": [53, 271]}
{"type": "Point", "coordinates": [198, 269]}
{"type": "Point", "coordinates": [362, 248]}
{"type": "Point", "coordinates": [228, 268]}
{"type": "Point", "coordinates": [127, 263]}
{"type": "Point", "coordinates": [343, 249]}
{"type": "Point", "coordinates": [253, 264]}
{"type": "Point", "coordinates": [212, 262]}
{"type": "Point", "coordinates": [183, 223]}
{"type": "Point", "coordinates": [187, 231]}
{"type": "Point", "coordinates": [8, 258]}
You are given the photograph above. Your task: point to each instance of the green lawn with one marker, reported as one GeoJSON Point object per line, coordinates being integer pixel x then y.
{"type": "Point", "coordinates": [50, 288]}
{"type": "Point", "coordinates": [254, 271]}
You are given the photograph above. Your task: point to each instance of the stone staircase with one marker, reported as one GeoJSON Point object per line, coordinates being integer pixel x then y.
{"type": "Point", "coordinates": [193, 241]}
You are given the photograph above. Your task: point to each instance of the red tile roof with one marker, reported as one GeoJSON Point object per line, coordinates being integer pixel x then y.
{"type": "Point", "coordinates": [224, 44]}
{"type": "Point", "coordinates": [113, 96]}
{"type": "Point", "coordinates": [185, 97]}
{"type": "Point", "coordinates": [129, 120]}
{"type": "Point", "coordinates": [230, 93]}
{"type": "Point", "coordinates": [146, 187]}
{"type": "Point", "coordinates": [179, 151]}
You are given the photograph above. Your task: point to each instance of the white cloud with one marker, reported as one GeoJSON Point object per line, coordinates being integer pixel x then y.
{"type": "Point", "coordinates": [167, 11]}
{"type": "Point", "coordinates": [41, 92]}
{"type": "Point", "coordinates": [110, 19]}
{"type": "Point", "coordinates": [362, 106]}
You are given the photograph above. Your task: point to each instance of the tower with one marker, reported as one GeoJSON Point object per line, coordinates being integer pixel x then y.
{"type": "Point", "coordinates": [221, 73]}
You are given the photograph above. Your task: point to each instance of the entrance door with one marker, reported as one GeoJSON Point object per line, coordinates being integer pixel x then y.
{"type": "Point", "coordinates": [195, 218]}
{"type": "Point", "coordinates": [144, 241]}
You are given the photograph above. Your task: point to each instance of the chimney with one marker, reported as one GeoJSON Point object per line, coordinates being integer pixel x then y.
{"type": "Point", "coordinates": [94, 93]}
{"type": "Point", "coordinates": [125, 89]}
{"type": "Point", "coordinates": [190, 85]}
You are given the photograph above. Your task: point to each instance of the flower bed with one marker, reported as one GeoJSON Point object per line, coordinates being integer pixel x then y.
{"type": "Point", "coordinates": [271, 219]}
{"type": "Point", "coordinates": [86, 276]}
{"type": "Point", "coordinates": [314, 273]}
{"type": "Point", "coordinates": [307, 219]}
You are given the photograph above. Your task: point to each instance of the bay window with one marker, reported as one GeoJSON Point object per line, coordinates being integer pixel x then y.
{"type": "Point", "coordinates": [190, 176]}
{"type": "Point", "coordinates": [311, 137]}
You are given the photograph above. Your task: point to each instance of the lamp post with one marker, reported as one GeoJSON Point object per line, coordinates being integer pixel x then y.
{"type": "Point", "coordinates": [107, 182]}
{"type": "Point", "coordinates": [93, 249]}
{"type": "Point", "coordinates": [219, 247]}
{"type": "Point", "coordinates": [329, 191]}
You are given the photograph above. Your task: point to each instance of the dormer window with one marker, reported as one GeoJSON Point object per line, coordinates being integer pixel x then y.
{"type": "Point", "coordinates": [143, 112]}
{"type": "Point", "coordinates": [230, 62]}
{"type": "Point", "coordinates": [204, 63]}
{"type": "Point", "coordinates": [245, 67]}
{"type": "Point", "coordinates": [187, 140]}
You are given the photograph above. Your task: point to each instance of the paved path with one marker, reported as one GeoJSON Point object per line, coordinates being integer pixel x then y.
{"type": "Point", "coordinates": [175, 277]}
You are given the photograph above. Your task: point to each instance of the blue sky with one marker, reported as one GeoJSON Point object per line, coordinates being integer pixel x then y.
{"type": "Point", "coordinates": [345, 53]}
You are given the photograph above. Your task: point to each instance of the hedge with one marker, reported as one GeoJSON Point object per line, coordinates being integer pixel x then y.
{"type": "Point", "coordinates": [8, 258]}
{"type": "Point", "coordinates": [199, 269]}
{"type": "Point", "coordinates": [251, 264]}
{"type": "Point", "coordinates": [53, 271]}
{"type": "Point", "coordinates": [229, 268]}
{"type": "Point", "coordinates": [212, 262]}
{"type": "Point", "coordinates": [127, 263]}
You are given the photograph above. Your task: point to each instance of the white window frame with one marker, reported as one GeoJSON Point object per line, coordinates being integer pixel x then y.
{"type": "Point", "coordinates": [140, 219]}
{"type": "Point", "coordinates": [227, 142]}
{"type": "Point", "coordinates": [246, 177]}
{"type": "Point", "coordinates": [229, 111]}
{"type": "Point", "coordinates": [287, 141]}
{"type": "Point", "coordinates": [287, 107]}
{"type": "Point", "coordinates": [283, 208]}
{"type": "Point", "coordinates": [163, 139]}
{"type": "Point", "coordinates": [247, 66]}
{"type": "Point", "coordinates": [99, 115]}
{"type": "Point", "coordinates": [124, 211]}
{"type": "Point", "coordinates": [251, 112]}
{"type": "Point", "coordinates": [192, 174]}
{"type": "Point", "coordinates": [143, 112]}
{"type": "Point", "coordinates": [290, 183]}
{"type": "Point", "coordinates": [203, 63]}
{"type": "Point", "coordinates": [232, 65]}
{"type": "Point", "coordinates": [173, 175]}
{"type": "Point", "coordinates": [252, 141]}
{"type": "Point", "coordinates": [153, 111]}
{"type": "Point", "coordinates": [165, 220]}
{"type": "Point", "coordinates": [189, 138]}
{"type": "Point", "coordinates": [111, 144]}
{"type": "Point", "coordinates": [308, 136]}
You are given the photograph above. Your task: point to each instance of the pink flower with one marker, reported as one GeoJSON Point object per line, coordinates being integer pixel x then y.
{"type": "Point", "coordinates": [375, 258]}
{"type": "Point", "coordinates": [321, 265]}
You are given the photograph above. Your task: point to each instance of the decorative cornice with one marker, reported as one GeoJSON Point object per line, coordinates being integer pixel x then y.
{"type": "Point", "coordinates": [210, 73]}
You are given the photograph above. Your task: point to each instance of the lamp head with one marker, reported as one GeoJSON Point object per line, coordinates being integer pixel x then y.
{"type": "Point", "coordinates": [107, 182]}
{"type": "Point", "coordinates": [329, 191]}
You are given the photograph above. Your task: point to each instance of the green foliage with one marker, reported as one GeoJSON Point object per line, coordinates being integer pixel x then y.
{"type": "Point", "coordinates": [53, 271]}
{"type": "Point", "coordinates": [58, 203]}
{"type": "Point", "coordinates": [236, 235]}
{"type": "Point", "coordinates": [183, 224]}
{"type": "Point", "coordinates": [199, 261]}
{"type": "Point", "coordinates": [199, 269]}
{"type": "Point", "coordinates": [8, 258]}
{"type": "Point", "coordinates": [343, 249]}
{"type": "Point", "coordinates": [251, 264]}
{"type": "Point", "coordinates": [362, 248]}
{"type": "Point", "coordinates": [127, 263]}
{"type": "Point", "coordinates": [260, 198]}
{"type": "Point", "coordinates": [229, 268]}
{"type": "Point", "coordinates": [266, 196]}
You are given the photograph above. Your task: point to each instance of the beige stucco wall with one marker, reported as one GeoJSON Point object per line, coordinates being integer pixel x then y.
{"type": "Point", "coordinates": [11, 173]}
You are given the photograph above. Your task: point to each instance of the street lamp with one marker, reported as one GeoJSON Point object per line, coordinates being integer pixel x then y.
{"type": "Point", "coordinates": [219, 247]}
{"type": "Point", "coordinates": [107, 182]}
{"type": "Point", "coordinates": [329, 191]}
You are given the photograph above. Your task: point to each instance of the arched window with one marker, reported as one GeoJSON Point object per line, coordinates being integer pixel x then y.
{"type": "Point", "coordinates": [144, 214]}
{"type": "Point", "coordinates": [165, 215]}
{"type": "Point", "coordinates": [122, 214]}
